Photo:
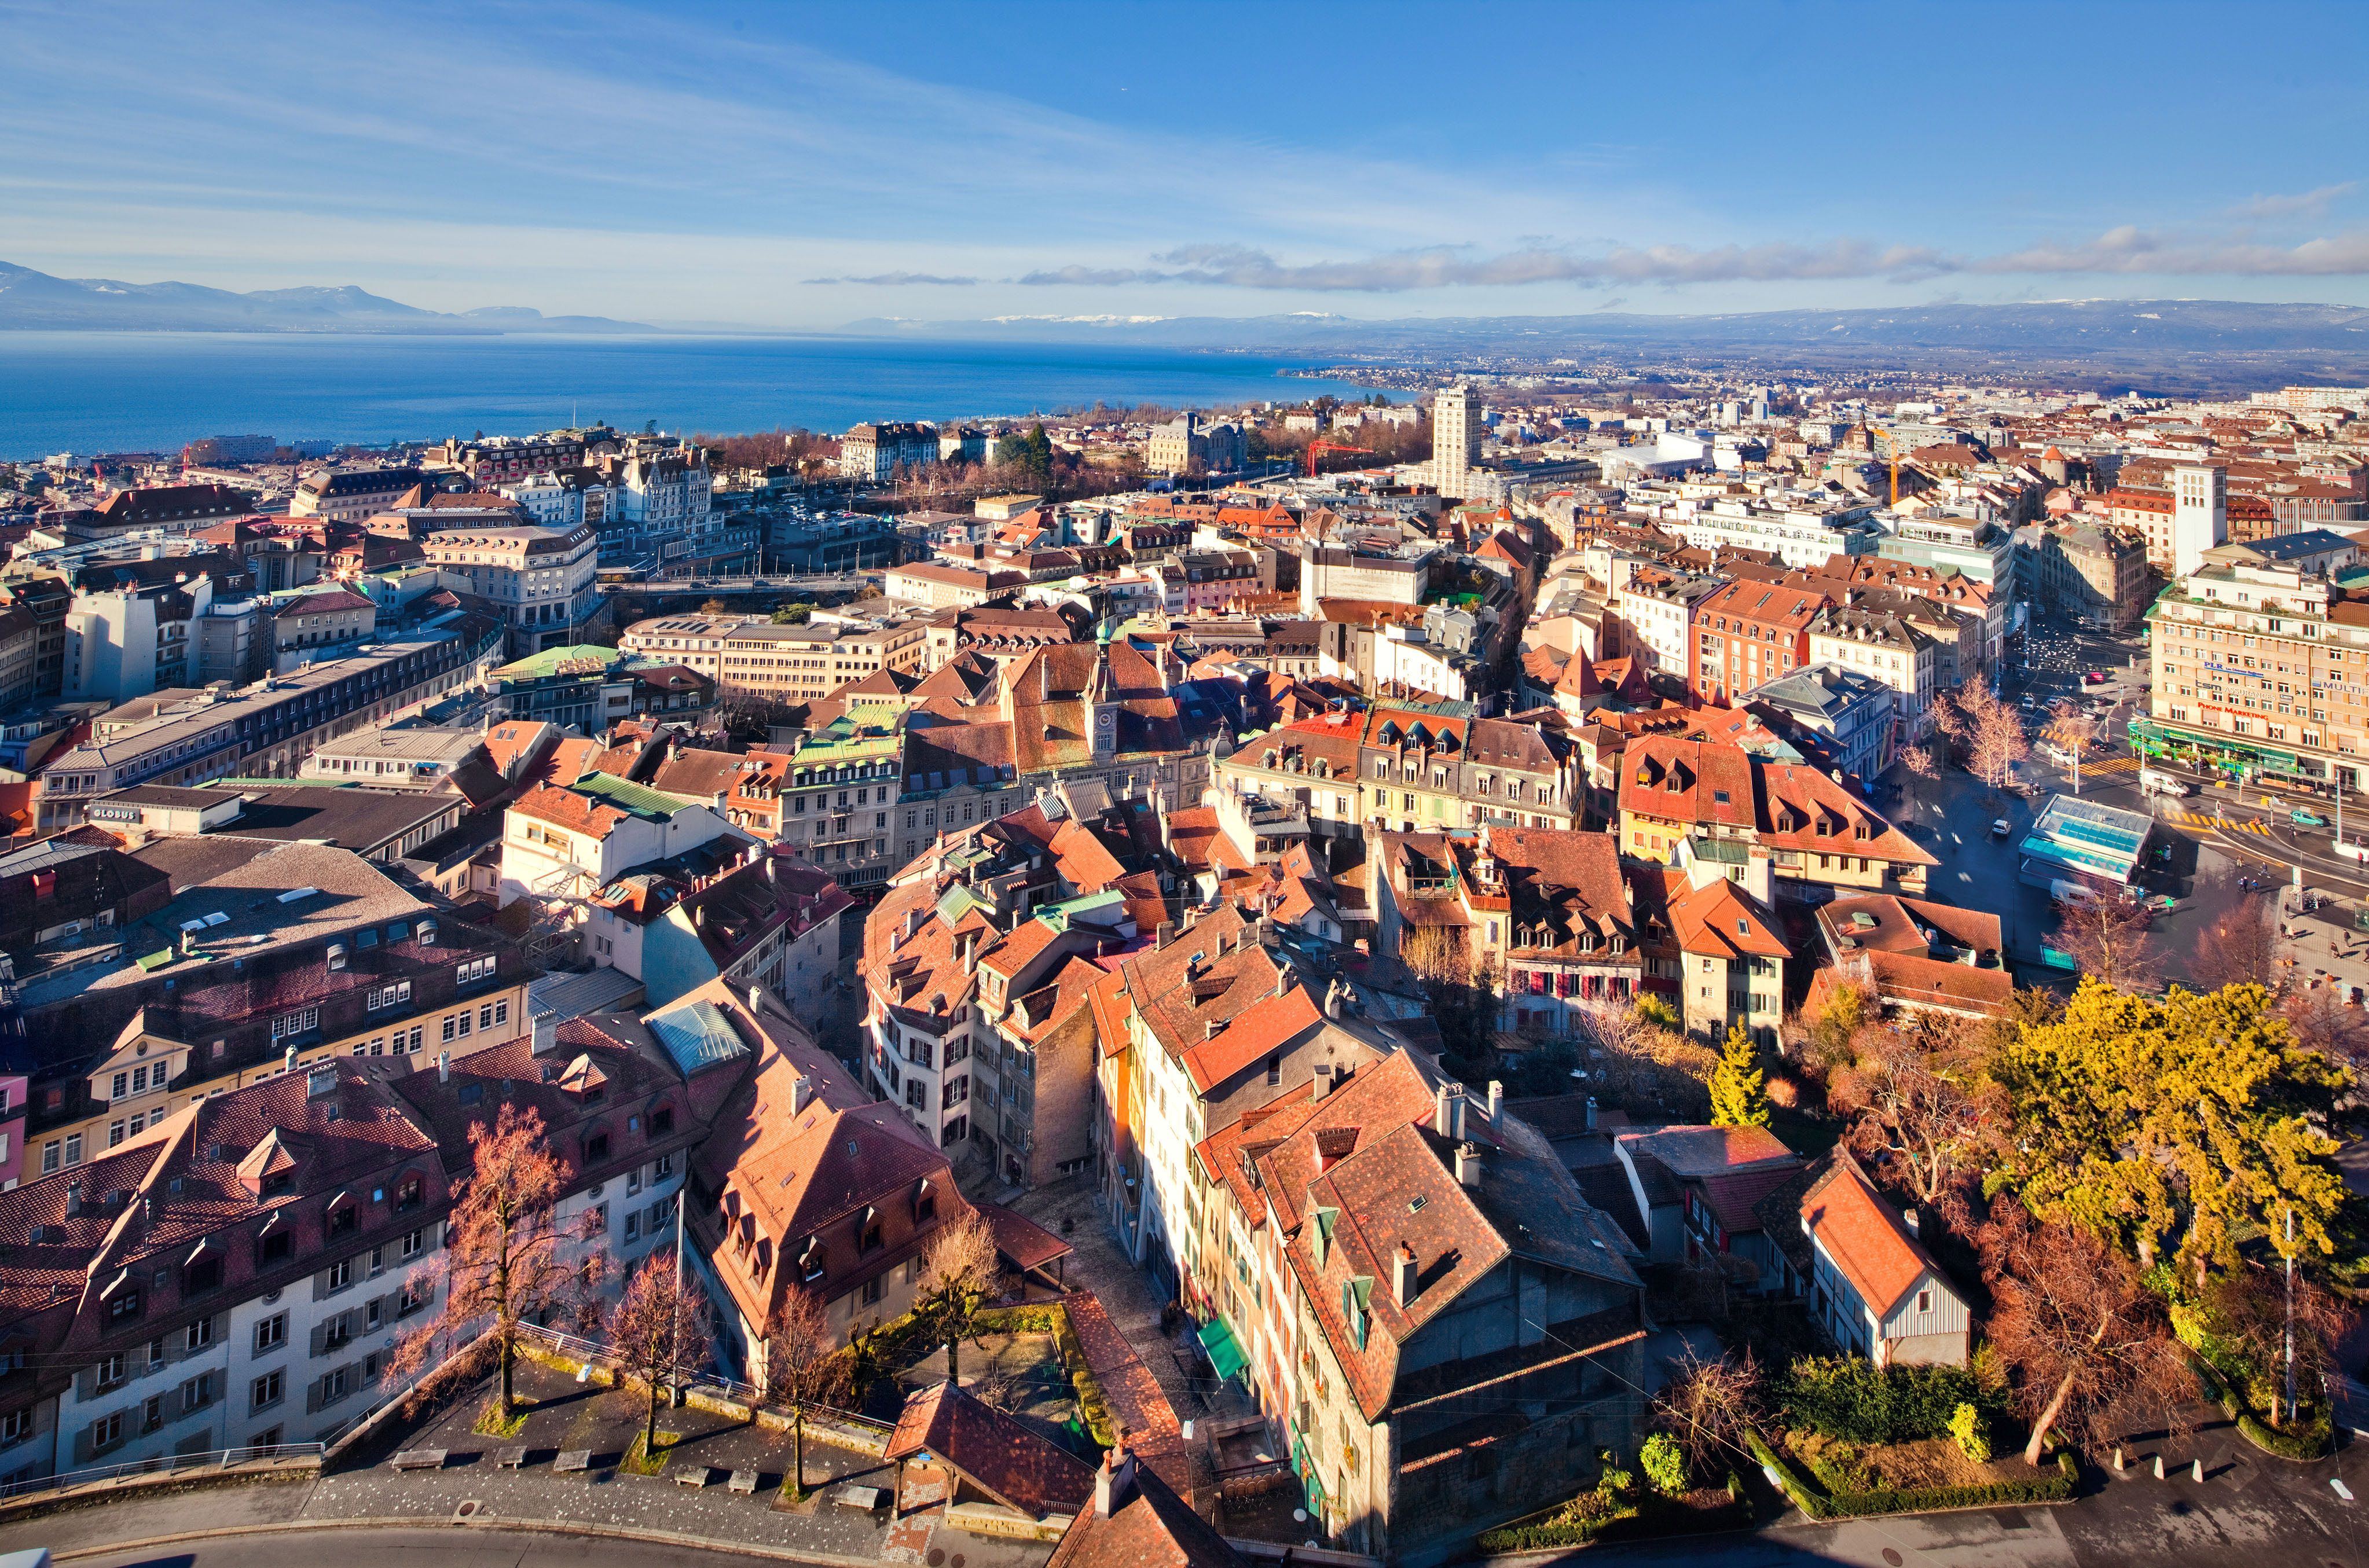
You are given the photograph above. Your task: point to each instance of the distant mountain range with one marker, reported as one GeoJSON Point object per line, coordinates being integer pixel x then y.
{"type": "Point", "coordinates": [35, 300]}
{"type": "Point", "coordinates": [2050, 327]}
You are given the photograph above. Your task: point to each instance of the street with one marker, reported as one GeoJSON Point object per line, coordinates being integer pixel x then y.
{"type": "Point", "coordinates": [454, 1547]}
{"type": "Point", "coordinates": [2219, 837]}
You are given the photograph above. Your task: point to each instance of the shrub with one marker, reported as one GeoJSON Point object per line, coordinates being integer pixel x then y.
{"type": "Point", "coordinates": [1617, 1482]}
{"type": "Point", "coordinates": [1973, 1433]}
{"type": "Point", "coordinates": [1664, 1465]}
{"type": "Point", "coordinates": [1653, 1009]}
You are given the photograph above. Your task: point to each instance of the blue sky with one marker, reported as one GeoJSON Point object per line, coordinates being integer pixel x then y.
{"type": "Point", "coordinates": [810, 166]}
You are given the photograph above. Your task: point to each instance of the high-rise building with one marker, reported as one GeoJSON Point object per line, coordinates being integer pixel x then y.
{"type": "Point", "coordinates": [1455, 440]}
{"type": "Point", "coordinates": [2200, 514]}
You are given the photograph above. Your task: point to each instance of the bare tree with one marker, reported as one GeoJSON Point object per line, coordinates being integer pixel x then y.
{"type": "Point", "coordinates": [2240, 947]}
{"type": "Point", "coordinates": [659, 1328]}
{"type": "Point", "coordinates": [958, 1272]}
{"type": "Point", "coordinates": [1920, 766]}
{"type": "Point", "coordinates": [2106, 937]}
{"type": "Point", "coordinates": [1708, 1406]}
{"type": "Point", "coordinates": [2324, 1022]}
{"type": "Point", "coordinates": [1642, 1066]}
{"type": "Point", "coordinates": [1988, 730]}
{"type": "Point", "coordinates": [2082, 1335]}
{"type": "Point", "coordinates": [802, 1365]}
{"type": "Point", "coordinates": [1917, 1092]}
{"type": "Point", "coordinates": [2074, 732]}
{"type": "Point", "coordinates": [500, 1259]}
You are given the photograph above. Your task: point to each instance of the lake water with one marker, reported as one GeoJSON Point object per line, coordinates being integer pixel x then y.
{"type": "Point", "coordinates": [85, 392]}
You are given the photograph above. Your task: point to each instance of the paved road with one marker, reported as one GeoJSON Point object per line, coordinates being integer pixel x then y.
{"type": "Point", "coordinates": [456, 1547]}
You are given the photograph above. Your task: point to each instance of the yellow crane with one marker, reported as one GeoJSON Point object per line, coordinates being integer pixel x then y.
{"type": "Point", "coordinates": [1879, 431]}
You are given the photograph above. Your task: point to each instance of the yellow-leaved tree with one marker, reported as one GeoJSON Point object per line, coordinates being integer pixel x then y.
{"type": "Point", "coordinates": [2175, 1125]}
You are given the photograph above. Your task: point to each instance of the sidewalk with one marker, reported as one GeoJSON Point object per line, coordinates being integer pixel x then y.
{"type": "Point", "coordinates": [566, 1416]}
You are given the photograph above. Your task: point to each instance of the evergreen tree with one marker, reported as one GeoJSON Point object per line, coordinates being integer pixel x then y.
{"type": "Point", "coordinates": [1736, 1096]}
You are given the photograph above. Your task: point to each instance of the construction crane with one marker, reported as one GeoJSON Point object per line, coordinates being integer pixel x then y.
{"type": "Point", "coordinates": [1879, 431]}
{"type": "Point", "coordinates": [1315, 447]}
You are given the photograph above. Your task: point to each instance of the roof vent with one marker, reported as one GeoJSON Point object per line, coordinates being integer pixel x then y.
{"type": "Point", "coordinates": [426, 937]}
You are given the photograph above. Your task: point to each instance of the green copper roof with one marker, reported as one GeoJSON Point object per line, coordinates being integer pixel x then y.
{"type": "Point", "coordinates": [627, 795]}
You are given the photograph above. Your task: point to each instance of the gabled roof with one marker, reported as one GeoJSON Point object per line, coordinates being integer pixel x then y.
{"type": "Point", "coordinates": [990, 1450]}
{"type": "Point", "coordinates": [1864, 1235]}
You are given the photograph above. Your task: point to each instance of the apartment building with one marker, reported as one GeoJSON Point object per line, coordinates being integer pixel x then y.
{"type": "Point", "coordinates": [1748, 634]}
{"type": "Point", "coordinates": [542, 582]}
{"type": "Point", "coordinates": [810, 1181]}
{"type": "Point", "coordinates": [267, 956]}
{"type": "Point", "coordinates": [268, 730]}
{"type": "Point", "coordinates": [1657, 610]}
{"type": "Point", "coordinates": [316, 1204]}
{"type": "Point", "coordinates": [1399, 1263]}
{"type": "Point", "coordinates": [2261, 665]}
{"type": "Point", "coordinates": [872, 454]}
{"type": "Point", "coordinates": [492, 461]}
{"type": "Point", "coordinates": [350, 494]}
{"type": "Point", "coordinates": [664, 509]}
{"type": "Point", "coordinates": [2096, 575]}
{"type": "Point", "coordinates": [1815, 834]}
{"type": "Point", "coordinates": [1546, 911]}
{"type": "Point", "coordinates": [1798, 536]}
{"type": "Point", "coordinates": [1455, 433]}
{"type": "Point", "coordinates": [1885, 647]}
{"type": "Point", "coordinates": [1411, 767]}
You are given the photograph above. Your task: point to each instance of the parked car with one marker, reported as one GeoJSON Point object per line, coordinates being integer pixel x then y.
{"type": "Point", "coordinates": [2001, 828]}
{"type": "Point", "coordinates": [2095, 678]}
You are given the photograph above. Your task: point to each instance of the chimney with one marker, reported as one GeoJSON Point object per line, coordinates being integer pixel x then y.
{"type": "Point", "coordinates": [1448, 1111]}
{"type": "Point", "coordinates": [801, 1093]}
{"type": "Point", "coordinates": [444, 1067]}
{"type": "Point", "coordinates": [756, 1000]}
{"type": "Point", "coordinates": [1282, 978]}
{"type": "Point", "coordinates": [1209, 1027]}
{"type": "Point", "coordinates": [1114, 1483]}
{"type": "Point", "coordinates": [1403, 1275]}
{"type": "Point", "coordinates": [1591, 1113]}
{"type": "Point", "coordinates": [1468, 1164]}
{"type": "Point", "coordinates": [1908, 1218]}
{"type": "Point", "coordinates": [1167, 934]}
{"type": "Point", "coordinates": [1497, 1100]}
{"type": "Point", "coordinates": [288, 1062]}
{"type": "Point", "coordinates": [1324, 1079]}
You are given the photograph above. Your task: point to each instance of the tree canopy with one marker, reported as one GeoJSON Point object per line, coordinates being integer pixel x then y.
{"type": "Point", "coordinates": [2193, 1120]}
{"type": "Point", "coordinates": [1737, 1096]}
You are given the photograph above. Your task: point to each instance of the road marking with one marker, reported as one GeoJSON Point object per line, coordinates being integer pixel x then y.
{"type": "Point", "coordinates": [2341, 1490]}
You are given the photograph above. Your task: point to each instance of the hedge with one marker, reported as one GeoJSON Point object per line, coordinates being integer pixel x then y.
{"type": "Point", "coordinates": [1624, 1522]}
{"type": "Point", "coordinates": [2310, 1441]}
{"type": "Point", "coordinates": [1819, 1505]}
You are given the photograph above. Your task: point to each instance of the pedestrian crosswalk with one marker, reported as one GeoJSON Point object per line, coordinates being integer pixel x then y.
{"type": "Point", "coordinates": [2110, 765]}
{"type": "Point", "coordinates": [2213, 819]}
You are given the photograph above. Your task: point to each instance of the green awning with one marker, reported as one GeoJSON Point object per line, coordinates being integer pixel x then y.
{"type": "Point", "coordinates": [1225, 1351]}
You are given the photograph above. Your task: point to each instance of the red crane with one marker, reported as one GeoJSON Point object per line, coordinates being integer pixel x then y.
{"type": "Point", "coordinates": [1315, 447]}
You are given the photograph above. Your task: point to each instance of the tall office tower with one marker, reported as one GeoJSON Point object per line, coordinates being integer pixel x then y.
{"type": "Point", "coordinates": [2200, 514]}
{"type": "Point", "coordinates": [1455, 440]}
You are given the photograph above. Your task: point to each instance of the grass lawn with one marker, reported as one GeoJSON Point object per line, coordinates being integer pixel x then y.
{"type": "Point", "coordinates": [490, 1422]}
{"type": "Point", "coordinates": [643, 1464]}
